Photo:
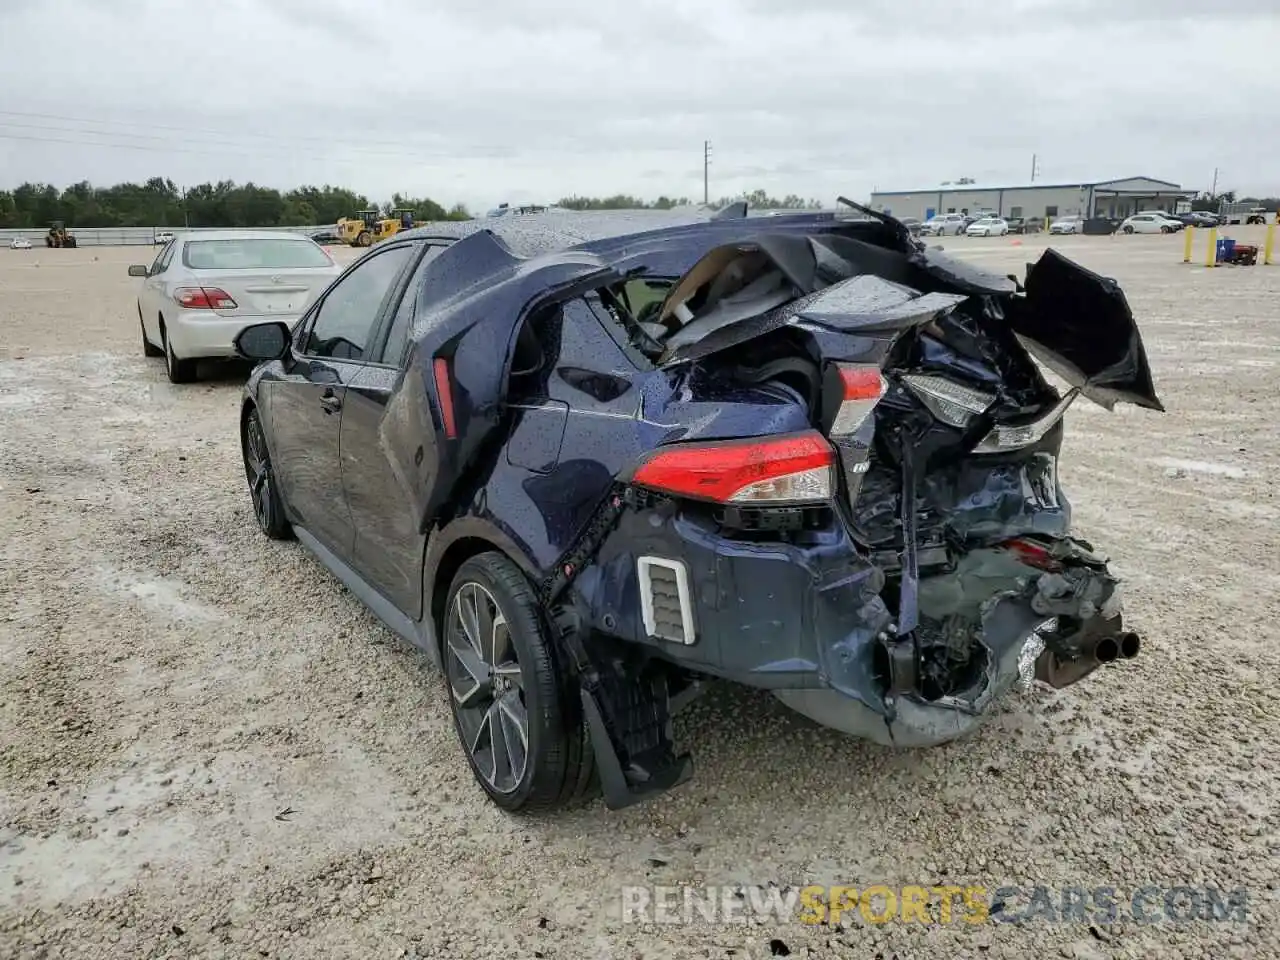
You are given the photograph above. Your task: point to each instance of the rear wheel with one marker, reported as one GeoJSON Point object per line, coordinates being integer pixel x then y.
{"type": "Point", "coordinates": [1127, 229]}
{"type": "Point", "coordinates": [364, 239]}
{"type": "Point", "coordinates": [268, 509]}
{"type": "Point", "coordinates": [515, 712]}
{"type": "Point", "coordinates": [179, 371]}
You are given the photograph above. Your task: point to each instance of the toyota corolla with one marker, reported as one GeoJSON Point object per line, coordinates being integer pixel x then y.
{"type": "Point", "coordinates": [588, 461]}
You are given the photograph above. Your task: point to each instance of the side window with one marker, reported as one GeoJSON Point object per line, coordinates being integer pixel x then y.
{"type": "Point", "coordinates": [402, 323]}
{"type": "Point", "coordinates": [345, 320]}
{"type": "Point", "coordinates": [161, 262]}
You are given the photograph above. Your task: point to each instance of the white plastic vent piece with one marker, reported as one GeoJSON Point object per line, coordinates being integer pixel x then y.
{"type": "Point", "coordinates": [658, 573]}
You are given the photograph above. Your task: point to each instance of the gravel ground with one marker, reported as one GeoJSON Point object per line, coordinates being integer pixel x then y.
{"type": "Point", "coordinates": [171, 683]}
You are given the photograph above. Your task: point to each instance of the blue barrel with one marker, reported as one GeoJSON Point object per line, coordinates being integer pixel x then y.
{"type": "Point", "coordinates": [1226, 249]}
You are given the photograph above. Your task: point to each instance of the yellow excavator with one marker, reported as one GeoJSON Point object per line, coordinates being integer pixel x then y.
{"type": "Point", "coordinates": [58, 236]}
{"type": "Point", "coordinates": [359, 230]}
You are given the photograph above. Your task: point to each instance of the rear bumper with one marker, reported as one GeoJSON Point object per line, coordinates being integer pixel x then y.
{"type": "Point", "coordinates": [198, 333]}
{"type": "Point", "coordinates": [808, 622]}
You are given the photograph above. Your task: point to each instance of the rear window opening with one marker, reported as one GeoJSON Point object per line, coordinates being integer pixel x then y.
{"type": "Point", "coordinates": [258, 254]}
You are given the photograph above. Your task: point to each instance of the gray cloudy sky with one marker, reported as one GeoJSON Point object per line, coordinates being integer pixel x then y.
{"type": "Point", "coordinates": [514, 100]}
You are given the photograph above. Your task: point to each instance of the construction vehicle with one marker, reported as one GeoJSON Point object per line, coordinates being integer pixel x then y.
{"type": "Point", "coordinates": [358, 231]}
{"type": "Point", "coordinates": [58, 236]}
{"type": "Point", "coordinates": [401, 218]}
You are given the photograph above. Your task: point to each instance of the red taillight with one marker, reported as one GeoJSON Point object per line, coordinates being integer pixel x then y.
{"type": "Point", "coordinates": [444, 390]}
{"type": "Point", "coordinates": [787, 469]}
{"type": "Point", "coordinates": [204, 298]}
{"type": "Point", "coordinates": [1033, 554]}
{"type": "Point", "coordinates": [862, 387]}
{"type": "Point", "coordinates": [861, 383]}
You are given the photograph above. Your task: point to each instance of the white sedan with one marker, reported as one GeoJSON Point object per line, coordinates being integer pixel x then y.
{"type": "Point", "coordinates": [20, 243]}
{"type": "Point", "coordinates": [943, 224]}
{"type": "Point", "coordinates": [987, 227]}
{"type": "Point", "coordinates": [1064, 225]}
{"type": "Point", "coordinates": [204, 288]}
{"type": "Point", "coordinates": [1149, 223]}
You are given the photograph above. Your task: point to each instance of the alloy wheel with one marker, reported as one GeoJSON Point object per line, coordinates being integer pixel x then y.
{"type": "Point", "coordinates": [257, 468]}
{"type": "Point", "coordinates": [487, 686]}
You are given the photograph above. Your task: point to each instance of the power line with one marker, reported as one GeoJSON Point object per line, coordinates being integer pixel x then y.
{"type": "Point", "coordinates": [168, 140]}
{"type": "Point", "coordinates": [222, 134]}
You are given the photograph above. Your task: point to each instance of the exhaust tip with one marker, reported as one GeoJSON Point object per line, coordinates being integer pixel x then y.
{"type": "Point", "coordinates": [1130, 644]}
{"type": "Point", "coordinates": [1107, 650]}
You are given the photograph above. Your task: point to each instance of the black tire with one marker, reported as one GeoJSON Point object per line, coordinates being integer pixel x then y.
{"type": "Point", "coordinates": [1128, 229]}
{"type": "Point", "coordinates": [264, 490]}
{"type": "Point", "coordinates": [179, 371]}
{"type": "Point", "coordinates": [149, 349]}
{"type": "Point", "coordinates": [528, 686]}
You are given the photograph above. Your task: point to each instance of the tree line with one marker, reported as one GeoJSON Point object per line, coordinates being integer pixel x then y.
{"type": "Point", "coordinates": [159, 202]}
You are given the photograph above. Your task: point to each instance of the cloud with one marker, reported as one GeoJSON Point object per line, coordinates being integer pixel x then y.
{"type": "Point", "coordinates": [494, 99]}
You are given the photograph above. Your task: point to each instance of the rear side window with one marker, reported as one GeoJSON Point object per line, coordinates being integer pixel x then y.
{"type": "Point", "coordinates": [260, 254]}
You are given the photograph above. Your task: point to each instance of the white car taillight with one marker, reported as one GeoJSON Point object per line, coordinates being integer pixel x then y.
{"type": "Point", "coordinates": [1005, 437]}
{"type": "Point", "coordinates": [952, 403]}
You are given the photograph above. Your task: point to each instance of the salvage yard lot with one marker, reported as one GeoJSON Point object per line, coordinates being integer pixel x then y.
{"type": "Point", "coordinates": [209, 748]}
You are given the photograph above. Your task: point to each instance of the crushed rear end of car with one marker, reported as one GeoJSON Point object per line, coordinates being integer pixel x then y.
{"type": "Point", "coordinates": [849, 497]}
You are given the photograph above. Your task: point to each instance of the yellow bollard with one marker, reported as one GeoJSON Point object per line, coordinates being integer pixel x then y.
{"type": "Point", "coordinates": [1211, 257]}
{"type": "Point", "coordinates": [1186, 246]}
{"type": "Point", "coordinates": [1270, 245]}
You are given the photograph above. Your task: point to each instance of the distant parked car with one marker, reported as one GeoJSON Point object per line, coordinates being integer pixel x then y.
{"type": "Point", "coordinates": [1069, 224]}
{"type": "Point", "coordinates": [944, 224]}
{"type": "Point", "coordinates": [163, 237]}
{"type": "Point", "coordinates": [911, 223]}
{"type": "Point", "coordinates": [203, 289]}
{"type": "Point", "coordinates": [1200, 218]}
{"type": "Point", "coordinates": [1016, 224]}
{"type": "Point", "coordinates": [1170, 219]}
{"type": "Point", "coordinates": [1150, 223]}
{"type": "Point", "coordinates": [987, 227]}
{"type": "Point", "coordinates": [20, 243]}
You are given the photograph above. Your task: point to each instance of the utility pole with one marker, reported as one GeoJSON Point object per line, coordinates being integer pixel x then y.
{"type": "Point", "coordinates": [1033, 168]}
{"type": "Point", "coordinates": [706, 166]}
{"type": "Point", "coordinates": [186, 217]}
{"type": "Point", "coordinates": [1213, 191]}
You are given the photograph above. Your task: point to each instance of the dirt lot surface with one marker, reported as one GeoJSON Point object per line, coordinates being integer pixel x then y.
{"type": "Point", "coordinates": [172, 685]}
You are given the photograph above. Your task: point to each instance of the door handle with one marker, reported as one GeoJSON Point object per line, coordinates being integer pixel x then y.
{"type": "Point", "coordinates": [330, 402]}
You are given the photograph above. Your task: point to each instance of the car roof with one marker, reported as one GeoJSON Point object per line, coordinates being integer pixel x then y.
{"type": "Point", "coordinates": [496, 266]}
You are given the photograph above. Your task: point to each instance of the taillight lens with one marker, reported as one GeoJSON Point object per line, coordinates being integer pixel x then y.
{"type": "Point", "coordinates": [862, 386]}
{"type": "Point", "coordinates": [444, 391]}
{"type": "Point", "coordinates": [952, 403]}
{"type": "Point", "coordinates": [793, 468]}
{"type": "Point", "coordinates": [204, 298]}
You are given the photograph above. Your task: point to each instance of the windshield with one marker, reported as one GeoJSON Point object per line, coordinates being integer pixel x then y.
{"type": "Point", "coordinates": [264, 254]}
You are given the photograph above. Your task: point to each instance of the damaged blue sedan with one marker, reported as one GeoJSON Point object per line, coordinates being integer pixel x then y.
{"type": "Point", "coordinates": [587, 461]}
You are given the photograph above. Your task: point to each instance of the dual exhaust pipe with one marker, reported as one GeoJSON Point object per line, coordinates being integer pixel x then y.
{"type": "Point", "coordinates": [1121, 646]}
{"type": "Point", "coordinates": [1062, 673]}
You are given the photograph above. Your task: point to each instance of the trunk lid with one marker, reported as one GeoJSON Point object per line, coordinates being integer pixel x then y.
{"type": "Point", "coordinates": [267, 292]}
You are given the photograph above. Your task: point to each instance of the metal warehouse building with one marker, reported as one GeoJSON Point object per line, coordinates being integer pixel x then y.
{"type": "Point", "coordinates": [1100, 198]}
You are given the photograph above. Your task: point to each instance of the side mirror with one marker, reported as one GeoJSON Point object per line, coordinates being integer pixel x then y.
{"type": "Point", "coordinates": [137, 270]}
{"type": "Point", "coordinates": [263, 341]}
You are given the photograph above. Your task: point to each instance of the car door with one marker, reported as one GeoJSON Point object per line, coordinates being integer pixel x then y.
{"type": "Point", "coordinates": [305, 407]}
{"type": "Point", "coordinates": [151, 293]}
{"type": "Point", "coordinates": [389, 542]}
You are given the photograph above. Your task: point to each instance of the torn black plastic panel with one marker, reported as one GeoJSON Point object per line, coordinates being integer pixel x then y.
{"type": "Point", "coordinates": [1079, 324]}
